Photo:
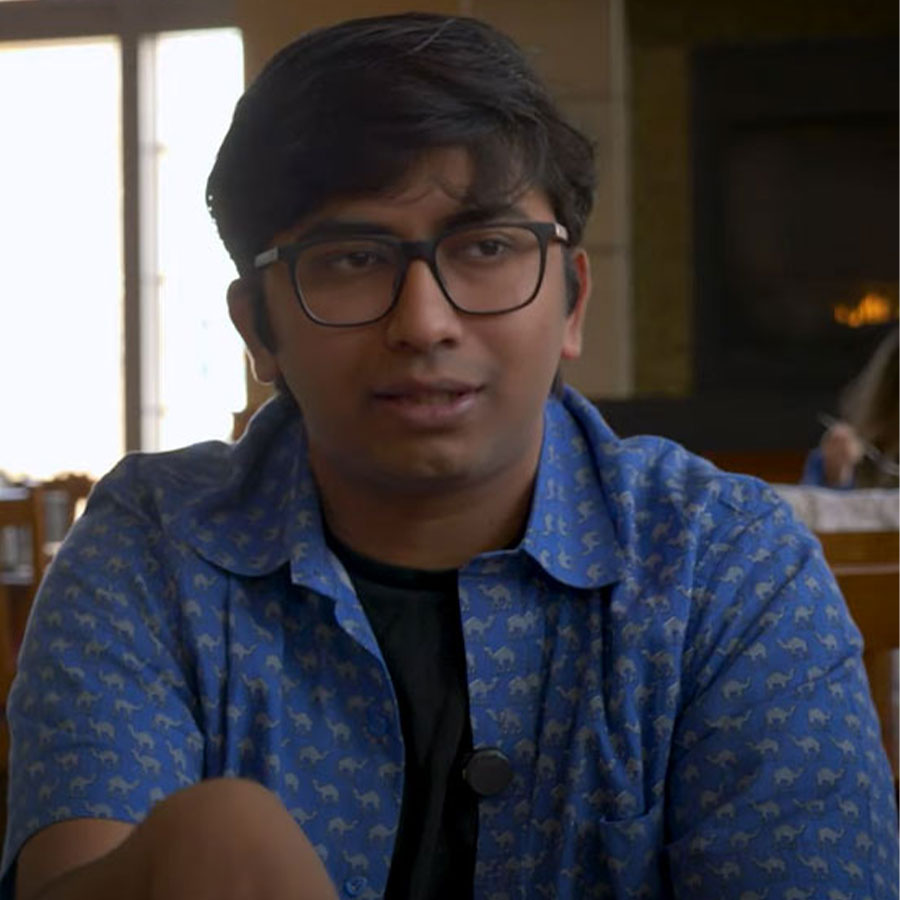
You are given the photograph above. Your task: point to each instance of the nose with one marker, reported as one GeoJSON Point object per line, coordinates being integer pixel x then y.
{"type": "Point", "coordinates": [422, 319]}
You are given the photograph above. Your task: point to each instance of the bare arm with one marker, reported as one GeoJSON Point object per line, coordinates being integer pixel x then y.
{"type": "Point", "coordinates": [841, 452]}
{"type": "Point", "coordinates": [220, 839]}
{"type": "Point", "coordinates": [56, 857]}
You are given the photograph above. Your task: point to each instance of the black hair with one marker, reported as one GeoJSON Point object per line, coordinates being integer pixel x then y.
{"type": "Point", "coordinates": [348, 109]}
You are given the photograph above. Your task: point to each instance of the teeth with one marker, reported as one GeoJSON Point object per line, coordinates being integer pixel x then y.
{"type": "Point", "coordinates": [434, 398]}
{"type": "Point", "coordinates": [427, 397]}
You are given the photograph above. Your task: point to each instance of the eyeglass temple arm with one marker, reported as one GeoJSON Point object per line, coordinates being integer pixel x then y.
{"type": "Point", "coordinates": [266, 258]}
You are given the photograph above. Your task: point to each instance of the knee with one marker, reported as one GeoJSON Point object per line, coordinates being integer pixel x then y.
{"type": "Point", "coordinates": [231, 838]}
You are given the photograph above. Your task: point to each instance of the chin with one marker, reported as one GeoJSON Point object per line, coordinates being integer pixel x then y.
{"type": "Point", "coordinates": [427, 474]}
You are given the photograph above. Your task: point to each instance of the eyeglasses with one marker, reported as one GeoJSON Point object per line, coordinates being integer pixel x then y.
{"type": "Point", "coordinates": [482, 270]}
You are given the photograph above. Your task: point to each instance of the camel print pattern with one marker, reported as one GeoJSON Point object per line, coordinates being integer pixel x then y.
{"type": "Point", "coordinates": [664, 658]}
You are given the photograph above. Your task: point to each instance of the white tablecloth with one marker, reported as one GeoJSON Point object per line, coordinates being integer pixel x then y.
{"type": "Point", "coordinates": [823, 509]}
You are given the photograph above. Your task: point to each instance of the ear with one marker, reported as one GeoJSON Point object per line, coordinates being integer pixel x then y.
{"type": "Point", "coordinates": [571, 345]}
{"type": "Point", "coordinates": [241, 299]}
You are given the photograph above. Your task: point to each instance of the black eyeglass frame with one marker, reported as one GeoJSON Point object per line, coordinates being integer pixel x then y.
{"type": "Point", "coordinates": [425, 250]}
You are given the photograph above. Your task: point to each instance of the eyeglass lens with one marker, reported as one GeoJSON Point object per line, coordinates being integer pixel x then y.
{"type": "Point", "coordinates": [485, 269]}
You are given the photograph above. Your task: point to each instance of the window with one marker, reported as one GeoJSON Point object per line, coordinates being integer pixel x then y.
{"type": "Point", "coordinates": [194, 375]}
{"type": "Point", "coordinates": [113, 336]}
{"type": "Point", "coordinates": [61, 384]}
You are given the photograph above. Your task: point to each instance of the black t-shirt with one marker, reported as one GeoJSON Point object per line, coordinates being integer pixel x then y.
{"type": "Point", "coordinates": [415, 617]}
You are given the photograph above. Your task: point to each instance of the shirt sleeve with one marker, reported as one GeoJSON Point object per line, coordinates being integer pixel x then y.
{"type": "Point", "coordinates": [813, 469]}
{"type": "Point", "coordinates": [779, 785]}
{"type": "Point", "coordinates": [103, 720]}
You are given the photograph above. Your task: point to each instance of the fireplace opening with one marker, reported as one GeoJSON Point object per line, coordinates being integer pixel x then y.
{"type": "Point", "coordinates": [795, 186]}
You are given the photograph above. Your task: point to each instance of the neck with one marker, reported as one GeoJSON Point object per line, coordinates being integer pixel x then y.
{"type": "Point", "coordinates": [436, 530]}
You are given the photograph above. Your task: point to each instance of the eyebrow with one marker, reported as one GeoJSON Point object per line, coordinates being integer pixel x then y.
{"type": "Point", "coordinates": [334, 227]}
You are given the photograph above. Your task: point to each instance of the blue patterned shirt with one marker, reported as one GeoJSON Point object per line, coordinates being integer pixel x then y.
{"type": "Point", "coordinates": [664, 658]}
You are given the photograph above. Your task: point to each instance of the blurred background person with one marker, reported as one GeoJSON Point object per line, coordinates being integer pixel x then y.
{"type": "Point", "coordinates": [859, 449]}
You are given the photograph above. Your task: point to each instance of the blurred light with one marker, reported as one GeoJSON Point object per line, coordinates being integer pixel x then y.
{"type": "Point", "coordinates": [61, 374]}
{"type": "Point", "coordinates": [199, 363]}
{"type": "Point", "coordinates": [873, 309]}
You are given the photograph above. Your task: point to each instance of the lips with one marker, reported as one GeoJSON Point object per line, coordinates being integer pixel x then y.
{"type": "Point", "coordinates": [430, 398]}
{"type": "Point", "coordinates": [429, 404]}
{"type": "Point", "coordinates": [430, 392]}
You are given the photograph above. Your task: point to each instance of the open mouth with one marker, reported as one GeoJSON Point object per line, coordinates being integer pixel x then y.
{"type": "Point", "coordinates": [427, 405]}
{"type": "Point", "coordinates": [430, 398]}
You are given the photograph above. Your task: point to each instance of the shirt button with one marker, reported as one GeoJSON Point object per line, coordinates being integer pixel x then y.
{"type": "Point", "coordinates": [354, 886]}
{"type": "Point", "coordinates": [487, 771]}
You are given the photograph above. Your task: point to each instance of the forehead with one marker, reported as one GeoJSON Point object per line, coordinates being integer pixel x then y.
{"type": "Point", "coordinates": [439, 187]}
{"type": "Point", "coordinates": [448, 171]}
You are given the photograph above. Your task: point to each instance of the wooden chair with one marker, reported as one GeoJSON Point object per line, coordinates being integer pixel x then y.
{"type": "Point", "coordinates": [866, 565]}
{"type": "Point", "coordinates": [21, 515]}
{"type": "Point", "coordinates": [63, 499]}
{"type": "Point", "coordinates": [21, 511]}
{"type": "Point", "coordinates": [43, 512]}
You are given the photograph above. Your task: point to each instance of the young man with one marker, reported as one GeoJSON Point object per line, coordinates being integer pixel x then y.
{"type": "Point", "coordinates": [430, 629]}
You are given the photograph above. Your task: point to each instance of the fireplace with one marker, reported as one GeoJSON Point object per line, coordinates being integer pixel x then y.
{"type": "Point", "coordinates": [793, 202]}
{"type": "Point", "coordinates": [795, 187]}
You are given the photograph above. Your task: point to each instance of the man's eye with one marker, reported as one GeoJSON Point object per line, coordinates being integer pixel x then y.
{"type": "Point", "coordinates": [352, 259]}
{"type": "Point", "coordinates": [356, 259]}
{"type": "Point", "coordinates": [489, 247]}
{"type": "Point", "coordinates": [483, 248]}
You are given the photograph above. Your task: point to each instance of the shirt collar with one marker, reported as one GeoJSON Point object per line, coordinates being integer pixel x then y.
{"type": "Point", "coordinates": [570, 531]}
{"type": "Point", "coordinates": [258, 509]}
{"type": "Point", "coordinates": [253, 507]}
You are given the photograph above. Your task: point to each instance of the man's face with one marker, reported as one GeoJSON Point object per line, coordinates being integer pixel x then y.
{"type": "Point", "coordinates": [427, 399]}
